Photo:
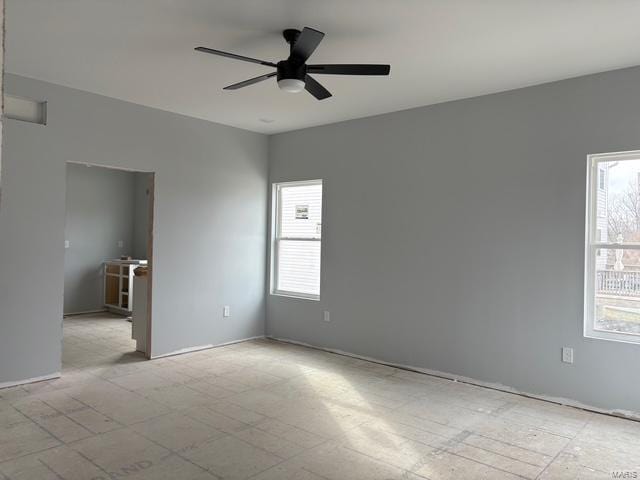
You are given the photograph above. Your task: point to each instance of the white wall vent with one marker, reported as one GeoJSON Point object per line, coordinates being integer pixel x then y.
{"type": "Point", "coordinates": [25, 109]}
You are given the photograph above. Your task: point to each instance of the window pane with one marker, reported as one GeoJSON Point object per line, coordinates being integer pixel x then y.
{"type": "Point", "coordinates": [299, 266]}
{"type": "Point", "coordinates": [618, 201]}
{"type": "Point", "coordinates": [301, 211]}
{"type": "Point", "coordinates": [617, 291]}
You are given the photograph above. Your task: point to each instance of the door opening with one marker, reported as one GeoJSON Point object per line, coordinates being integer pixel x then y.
{"type": "Point", "coordinates": [108, 266]}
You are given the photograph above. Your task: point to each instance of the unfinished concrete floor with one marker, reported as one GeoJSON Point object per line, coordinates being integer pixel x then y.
{"type": "Point", "coordinates": [272, 411]}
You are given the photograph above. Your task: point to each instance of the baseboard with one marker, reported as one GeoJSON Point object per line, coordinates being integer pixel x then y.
{"type": "Point", "coordinates": [86, 312]}
{"type": "Point", "coordinates": [204, 347]}
{"type": "Point", "coordinates": [30, 380]}
{"type": "Point", "coordinates": [626, 414]}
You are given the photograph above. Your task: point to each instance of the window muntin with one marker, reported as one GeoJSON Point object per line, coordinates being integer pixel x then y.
{"type": "Point", "coordinates": [612, 273]}
{"type": "Point", "coordinates": [298, 238]}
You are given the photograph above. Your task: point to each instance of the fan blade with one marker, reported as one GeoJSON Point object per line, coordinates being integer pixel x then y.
{"type": "Point", "coordinates": [305, 44]}
{"type": "Point", "coordinates": [251, 81]}
{"type": "Point", "coordinates": [312, 86]}
{"type": "Point", "coordinates": [350, 69]}
{"type": "Point", "coordinates": [234, 56]}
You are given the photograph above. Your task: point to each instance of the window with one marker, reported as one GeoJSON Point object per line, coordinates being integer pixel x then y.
{"type": "Point", "coordinates": [612, 271]}
{"type": "Point", "coordinates": [298, 237]}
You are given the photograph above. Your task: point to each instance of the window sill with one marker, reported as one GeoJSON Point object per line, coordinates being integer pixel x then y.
{"type": "Point", "coordinates": [613, 337]}
{"type": "Point", "coordinates": [298, 296]}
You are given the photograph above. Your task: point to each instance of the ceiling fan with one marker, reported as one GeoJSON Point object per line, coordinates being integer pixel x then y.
{"type": "Point", "coordinates": [293, 73]}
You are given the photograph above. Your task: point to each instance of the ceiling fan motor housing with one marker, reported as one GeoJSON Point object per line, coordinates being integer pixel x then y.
{"type": "Point", "coordinates": [291, 76]}
{"type": "Point", "coordinates": [289, 69]}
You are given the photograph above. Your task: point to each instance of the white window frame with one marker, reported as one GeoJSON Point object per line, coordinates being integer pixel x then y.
{"type": "Point", "coordinates": [593, 244]}
{"type": "Point", "coordinates": [277, 237]}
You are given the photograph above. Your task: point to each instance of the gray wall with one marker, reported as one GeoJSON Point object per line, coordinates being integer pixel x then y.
{"type": "Point", "coordinates": [141, 215]}
{"type": "Point", "coordinates": [100, 212]}
{"type": "Point", "coordinates": [210, 221]}
{"type": "Point", "coordinates": [454, 236]}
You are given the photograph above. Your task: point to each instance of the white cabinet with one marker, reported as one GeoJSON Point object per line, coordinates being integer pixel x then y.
{"type": "Point", "coordinates": [118, 285]}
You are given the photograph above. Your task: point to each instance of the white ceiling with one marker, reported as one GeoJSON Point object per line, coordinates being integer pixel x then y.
{"type": "Point", "coordinates": [142, 51]}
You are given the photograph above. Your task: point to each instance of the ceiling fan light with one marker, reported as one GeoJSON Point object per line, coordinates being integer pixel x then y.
{"type": "Point", "coordinates": [291, 85]}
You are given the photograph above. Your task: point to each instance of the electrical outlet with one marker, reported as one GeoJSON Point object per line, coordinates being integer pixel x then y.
{"type": "Point", "coordinates": [567, 355]}
{"type": "Point", "coordinates": [120, 243]}
{"type": "Point", "coordinates": [326, 316]}
{"type": "Point", "coordinates": [226, 311]}
{"type": "Point", "coordinates": [67, 244]}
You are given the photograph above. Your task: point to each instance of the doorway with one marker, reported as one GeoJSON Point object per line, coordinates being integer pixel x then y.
{"type": "Point", "coordinates": [108, 266]}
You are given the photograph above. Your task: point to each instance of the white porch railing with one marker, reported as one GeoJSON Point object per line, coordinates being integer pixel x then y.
{"type": "Point", "coordinates": [618, 282]}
